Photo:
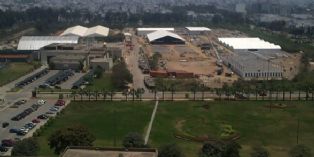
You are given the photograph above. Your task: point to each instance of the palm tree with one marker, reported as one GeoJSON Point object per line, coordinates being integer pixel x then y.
{"type": "Point", "coordinates": [111, 95]}
{"type": "Point", "coordinates": [74, 94]}
{"type": "Point", "coordinates": [125, 93]}
{"type": "Point", "coordinates": [173, 89]}
{"type": "Point", "coordinates": [140, 92]}
{"type": "Point", "coordinates": [81, 94]}
{"type": "Point", "coordinates": [96, 95]}
{"type": "Point", "coordinates": [194, 89]}
{"type": "Point", "coordinates": [104, 93]}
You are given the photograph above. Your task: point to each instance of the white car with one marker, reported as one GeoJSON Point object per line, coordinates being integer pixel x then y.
{"type": "Point", "coordinates": [41, 102]}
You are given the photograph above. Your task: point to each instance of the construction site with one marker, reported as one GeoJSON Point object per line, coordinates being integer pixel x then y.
{"type": "Point", "coordinates": [214, 57]}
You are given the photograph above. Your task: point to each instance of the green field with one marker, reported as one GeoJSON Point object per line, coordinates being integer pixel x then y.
{"type": "Point", "coordinates": [102, 83]}
{"type": "Point", "coordinates": [13, 71]}
{"type": "Point", "coordinates": [252, 120]}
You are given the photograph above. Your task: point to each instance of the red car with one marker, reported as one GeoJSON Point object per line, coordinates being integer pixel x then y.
{"type": "Point", "coordinates": [36, 121]}
{"type": "Point", "coordinates": [60, 103]}
{"type": "Point", "coordinates": [8, 143]}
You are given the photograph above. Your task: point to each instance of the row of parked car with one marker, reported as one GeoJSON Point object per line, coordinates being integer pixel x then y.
{"type": "Point", "coordinates": [60, 77]}
{"type": "Point", "coordinates": [32, 78]}
{"type": "Point", "coordinates": [28, 111]}
{"type": "Point", "coordinates": [6, 143]}
{"type": "Point", "coordinates": [85, 80]}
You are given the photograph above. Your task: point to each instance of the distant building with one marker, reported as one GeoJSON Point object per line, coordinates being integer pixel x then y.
{"type": "Point", "coordinates": [197, 30]}
{"type": "Point", "coordinates": [253, 58]}
{"type": "Point", "coordinates": [64, 62]}
{"type": "Point", "coordinates": [109, 152]}
{"type": "Point", "coordinates": [164, 37]}
{"type": "Point", "coordinates": [145, 31]}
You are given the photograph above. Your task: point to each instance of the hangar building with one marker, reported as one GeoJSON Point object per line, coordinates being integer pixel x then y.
{"type": "Point", "coordinates": [165, 37]}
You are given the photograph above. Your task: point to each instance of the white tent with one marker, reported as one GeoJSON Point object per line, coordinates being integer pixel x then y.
{"type": "Point", "coordinates": [97, 31]}
{"type": "Point", "coordinates": [161, 34]}
{"type": "Point", "coordinates": [75, 31]}
{"type": "Point", "coordinates": [248, 43]}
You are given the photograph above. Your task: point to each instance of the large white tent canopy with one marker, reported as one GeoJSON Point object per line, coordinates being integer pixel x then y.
{"type": "Point", "coordinates": [248, 43]}
{"type": "Point", "coordinates": [198, 29]}
{"type": "Point", "coordinates": [38, 42]}
{"type": "Point", "coordinates": [97, 31]}
{"type": "Point", "coordinates": [161, 34]}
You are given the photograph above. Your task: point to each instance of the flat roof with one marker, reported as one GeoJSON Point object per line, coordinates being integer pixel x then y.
{"type": "Point", "coordinates": [155, 29]}
{"type": "Point", "coordinates": [248, 43]}
{"type": "Point", "coordinates": [198, 29]}
{"type": "Point", "coordinates": [114, 152]}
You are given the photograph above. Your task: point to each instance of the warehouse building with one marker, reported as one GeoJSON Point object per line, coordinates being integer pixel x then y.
{"type": "Point", "coordinates": [253, 66]}
{"type": "Point", "coordinates": [197, 30]}
{"type": "Point", "coordinates": [93, 32]}
{"type": "Point", "coordinates": [35, 43]}
{"type": "Point", "coordinates": [164, 37]}
{"type": "Point", "coordinates": [145, 31]}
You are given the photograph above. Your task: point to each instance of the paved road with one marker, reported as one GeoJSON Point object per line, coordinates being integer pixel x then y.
{"type": "Point", "coordinates": [132, 61]}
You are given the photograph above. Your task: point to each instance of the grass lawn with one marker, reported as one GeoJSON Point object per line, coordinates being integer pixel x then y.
{"type": "Point", "coordinates": [255, 123]}
{"type": "Point", "coordinates": [102, 118]}
{"type": "Point", "coordinates": [102, 83]}
{"type": "Point", "coordinates": [13, 71]}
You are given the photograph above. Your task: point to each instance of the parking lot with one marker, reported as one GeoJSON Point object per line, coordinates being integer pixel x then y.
{"type": "Point", "coordinates": [9, 113]}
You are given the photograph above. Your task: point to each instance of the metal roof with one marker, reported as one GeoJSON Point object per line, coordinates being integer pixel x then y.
{"type": "Point", "coordinates": [97, 31]}
{"type": "Point", "coordinates": [161, 33]}
{"type": "Point", "coordinates": [38, 42]}
{"type": "Point", "coordinates": [198, 29]}
{"type": "Point", "coordinates": [248, 43]}
{"type": "Point", "coordinates": [155, 29]}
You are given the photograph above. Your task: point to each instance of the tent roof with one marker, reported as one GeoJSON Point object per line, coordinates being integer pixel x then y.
{"type": "Point", "coordinates": [97, 31]}
{"type": "Point", "coordinates": [76, 30]}
{"type": "Point", "coordinates": [161, 33]}
{"type": "Point", "coordinates": [38, 42]}
{"type": "Point", "coordinates": [248, 43]}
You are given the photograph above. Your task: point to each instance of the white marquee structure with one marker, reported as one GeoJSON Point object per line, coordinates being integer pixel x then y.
{"type": "Point", "coordinates": [38, 42]}
{"type": "Point", "coordinates": [97, 31]}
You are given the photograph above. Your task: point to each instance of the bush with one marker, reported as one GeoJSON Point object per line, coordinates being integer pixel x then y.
{"type": "Point", "coordinates": [170, 150]}
{"type": "Point", "coordinates": [259, 151]}
{"type": "Point", "coordinates": [26, 147]}
{"type": "Point", "coordinates": [133, 140]}
{"type": "Point", "coordinates": [300, 151]}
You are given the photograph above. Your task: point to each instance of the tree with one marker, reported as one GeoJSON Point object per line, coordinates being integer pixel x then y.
{"type": "Point", "coordinates": [121, 76]}
{"type": "Point", "coordinates": [75, 135]}
{"type": "Point", "coordinates": [26, 147]}
{"type": "Point", "coordinates": [300, 151]}
{"type": "Point", "coordinates": [133, 140]}
{"type": "Point", "coordinates": [259, 152]}
{"type": "Point", "coordinates": [170, 150]}
{"type": "Point", "coordinates": [231, 150]}
{"type": "Point", "coordinates": [211, 150]}
{"type": "Point", "coordinates": [98, 72]}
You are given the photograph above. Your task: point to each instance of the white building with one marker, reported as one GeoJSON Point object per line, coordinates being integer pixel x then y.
{"type": "Point", "coordinates": [252, 58]}
{"type": "Point", "coordinates": [38, 42]}
{"type": "Point", "coordinates": [80, 31]}
{"type": "Point", "coordinates": [197, 30]}
{"type": "Point", "coordinates": [145, 31]}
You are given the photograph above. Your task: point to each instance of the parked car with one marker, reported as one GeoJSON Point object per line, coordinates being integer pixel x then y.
{"type": "Point", "coordinates": [41, 102]}
{"type": "Point", "coordinates": [42, 116]}
{"type": "Point", "coordinates": [13, 130]}
{"type": "Point", "coordinates": [8, 142]}
{"type": "Point", "coordinates": [60, 103]}
{"type": "Point", "coordinates": [36, 121]}
{"type": "Point", "coordinates": [5, 124]}
{"type": "Point", "coordinates": [3, 149]}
